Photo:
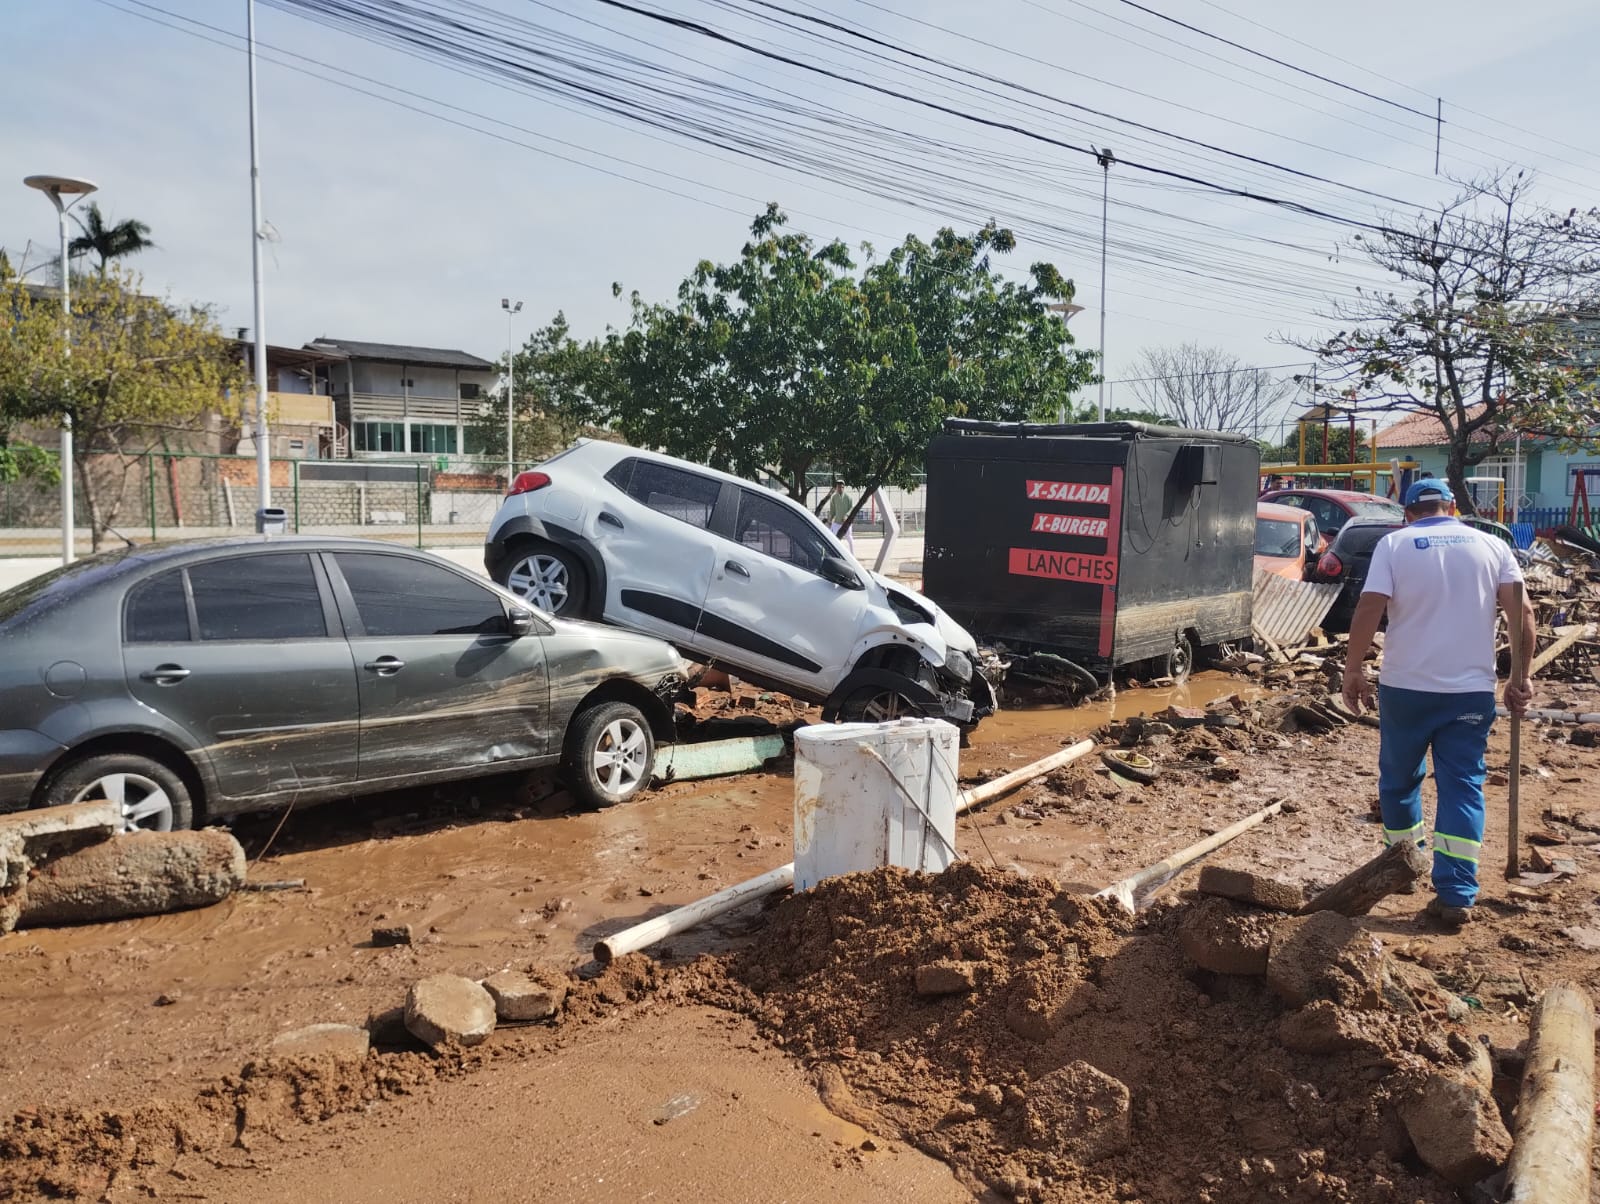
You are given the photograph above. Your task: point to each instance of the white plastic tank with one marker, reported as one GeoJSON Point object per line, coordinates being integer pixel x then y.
{"type": "Point", "coordinates": [874, 794]}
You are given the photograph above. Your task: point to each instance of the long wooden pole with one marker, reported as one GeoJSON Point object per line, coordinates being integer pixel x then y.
{"type": "Point", "coordinates": [642, 935]}
{"type": "Point", "coordinates": [1555, 1116]}
{"type": "Point", "coordinates": [1514, 770]}
{"type": "Point", "coordinates": [1126, 890]}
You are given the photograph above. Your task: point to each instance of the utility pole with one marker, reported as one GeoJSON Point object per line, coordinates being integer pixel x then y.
{"type": "Point", "coordinates": [263, 447]}
{"type": "Point", "coordinates": [512, 310]}
{"type": "Point", "coordinates": [1105, 158]}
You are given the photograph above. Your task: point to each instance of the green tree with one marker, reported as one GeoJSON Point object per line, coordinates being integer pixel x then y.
{"type": "Point", "coordinates": [1481, 329]}
{"type": "Point", "coordinates": [788, 359]}
{"type": "Point", "coordinates": [553, 371]}
{"type": "Point", "coordinates": [107, 242]}
{"type": "Point", "coordinates": [138, 370]}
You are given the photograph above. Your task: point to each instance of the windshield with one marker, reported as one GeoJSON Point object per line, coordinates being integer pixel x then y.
{"type": "Point", "coordinates": [1277, 538]}
{"type": "Point", "coordinates": [1359, 538]}
{"type": "Point", "coordinates": [1378, 510]}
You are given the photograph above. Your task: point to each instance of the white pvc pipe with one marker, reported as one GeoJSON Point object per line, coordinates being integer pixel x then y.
{"type": "Point", "coordinates": [1124, 890]}
{"type": "Point", "coordinates": [1555, 716]}
{"type": "Point", "coordinates": [640, 936]}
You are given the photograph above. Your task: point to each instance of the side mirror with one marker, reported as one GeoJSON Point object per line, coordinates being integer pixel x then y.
{"type": "Point", "coordinates": [520, 622]}
{"type": "Point", "coordinates": [841, 572]}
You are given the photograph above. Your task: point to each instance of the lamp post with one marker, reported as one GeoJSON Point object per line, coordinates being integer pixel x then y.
{"type": "Point", "coordinates": [1105, 158]}
{"type": "Point", "coordinates": [263, 446]}
{"type": "Point", "coordinates": [1066, 309]}
{"type": "Point", "coordinates": [56, 187]}
{"type": "Point", "coordinates": [512, 308]}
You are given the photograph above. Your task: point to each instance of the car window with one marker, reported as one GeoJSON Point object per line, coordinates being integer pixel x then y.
{"type": "Point", "coordinates": [1330, 517]}
{"type": "Point", "coordinates": [768, 526]}
{"type": "Point", "coordinates": [398, 596]}
{"type": "Point", "coordinates": [1360, 538]}
{"type": "Point", "coordinates": [1275, 537]}
{"type": "Point", "coordinates": [621, 473]}
{"type": "Point", "coordinates": [157, 611]}
{"type": "Point", "coordinates": [265, 597]}
{"type": "Point", "coordinates": [685, 496]}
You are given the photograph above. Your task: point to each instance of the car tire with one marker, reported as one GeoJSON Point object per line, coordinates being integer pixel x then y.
{"type": "Point", "coordinates": [1178, 663]}
{"type": "Point", "coordinates": [153, 798]}
{"type": "Point", "coordinates": [610, 751]}
{"type": "Point", "coordinates": [876, 704]}
{"type": "Point", "coordinates": [549, 577]}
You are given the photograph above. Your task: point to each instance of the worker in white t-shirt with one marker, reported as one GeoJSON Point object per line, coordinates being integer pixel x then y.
{"type": "Point", "coordinates": [1439, 581]}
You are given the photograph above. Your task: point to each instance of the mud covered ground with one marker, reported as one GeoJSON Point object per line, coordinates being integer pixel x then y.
{"type": "Point", "coordinates": [135, 1060]}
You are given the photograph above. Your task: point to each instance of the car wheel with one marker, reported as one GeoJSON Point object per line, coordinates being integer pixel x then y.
{"type": "Point", "coordinates": [151, 796]}
{"type": "Point", "coordinates": [877, 706]}
{"type": "Point", "coordinates": [550, 578]}
{"type": "Point", "coordinates": [609, 754]}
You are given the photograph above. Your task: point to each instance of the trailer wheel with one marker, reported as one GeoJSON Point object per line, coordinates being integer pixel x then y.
{"type": "Point", "coordinates": [1178, 663]}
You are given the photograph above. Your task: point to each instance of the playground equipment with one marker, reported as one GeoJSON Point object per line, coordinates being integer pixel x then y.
{"type": "Point", "coordinates": [1349, 474]}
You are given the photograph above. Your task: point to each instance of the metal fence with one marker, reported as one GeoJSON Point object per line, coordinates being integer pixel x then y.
{"type": "Point", "coordinates": [443, 502]}
{"type": "Point", "coordinates": [432, 503]}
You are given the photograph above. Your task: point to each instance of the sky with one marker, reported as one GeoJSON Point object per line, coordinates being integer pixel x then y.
{"type": "Point", "coordinates": [406, 203]}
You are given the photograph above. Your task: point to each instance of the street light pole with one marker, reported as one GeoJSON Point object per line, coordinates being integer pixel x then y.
{"type": "Point", "coordinates": [512, 309]}
{"type": "Point", "coordinates": [1105, 158]}
{"type": "Point", "coordinates": [55, 187]}
{"type": "Point", "coordinates": [263, 448]}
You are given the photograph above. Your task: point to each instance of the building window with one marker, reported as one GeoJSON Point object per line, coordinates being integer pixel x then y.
{"type": "Point", "coordinates": [380, 436]}
{"type": "Point", "coordinates": [433, 437]}
{"type": "Point", "coordinates": [470, 391]}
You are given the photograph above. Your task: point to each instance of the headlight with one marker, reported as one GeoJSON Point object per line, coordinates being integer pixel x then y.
{"type": "Point", "coordinates": [958, 664]}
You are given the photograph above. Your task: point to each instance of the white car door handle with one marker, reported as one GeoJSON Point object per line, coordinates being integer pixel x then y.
{"type": "Point", "coordinates": [737, 569]}
{"type": "Point", "coordinates": [611, 520]}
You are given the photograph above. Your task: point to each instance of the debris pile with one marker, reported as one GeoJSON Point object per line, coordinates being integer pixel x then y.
{"type": "Point", "coordinates": [1564, 589]}
{"type": "Point", "coordinates": [1049, 1047]}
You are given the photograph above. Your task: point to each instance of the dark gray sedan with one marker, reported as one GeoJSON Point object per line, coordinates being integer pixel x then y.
{"type": "Point", "coordinates": [191, 681]}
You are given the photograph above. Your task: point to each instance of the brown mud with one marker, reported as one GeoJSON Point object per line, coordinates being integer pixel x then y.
{"type": "Point", "coordinates": [105, 1019]}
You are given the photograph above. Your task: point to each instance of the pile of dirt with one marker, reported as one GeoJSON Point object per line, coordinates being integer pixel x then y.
{"type": "Point", "coordinates": [76, 1153]}
{"type": "Point", "coordinates": [1048, 1046]}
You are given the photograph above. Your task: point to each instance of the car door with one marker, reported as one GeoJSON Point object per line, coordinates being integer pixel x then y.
{"type": "Point", "coordinates": [769, 609]}
{"type": "Point", "coordinates": [652, 527]}
{"type": "Point", "coordinates": [245, 652]}
{"type": "Point", "coordinates": [443, 683]}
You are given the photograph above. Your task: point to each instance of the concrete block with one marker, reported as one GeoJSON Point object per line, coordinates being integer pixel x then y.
{"type": "Point", "coordinates": [519, 996]}
{"type": "Point", "coordinates": [446, 1009]}
{"type": "Point", "coordinates": [1247, 886]}
{"type": "Point", "coordinates": [345, 1042]}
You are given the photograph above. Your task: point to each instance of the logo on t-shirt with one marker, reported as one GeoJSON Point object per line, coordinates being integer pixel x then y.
{"type": "Point", "coordinates": [1420, 542]}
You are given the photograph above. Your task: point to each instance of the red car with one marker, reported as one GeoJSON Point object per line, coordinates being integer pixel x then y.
{"type": "Point", "coordinates": [1332, 508]}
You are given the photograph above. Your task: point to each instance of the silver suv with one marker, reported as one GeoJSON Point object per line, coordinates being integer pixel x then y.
{"type": "Point", "coordinates": [736, 576]}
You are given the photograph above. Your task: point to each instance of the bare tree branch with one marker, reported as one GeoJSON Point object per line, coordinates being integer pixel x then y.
{"type": "Point", "coordinates": [1207, 389]}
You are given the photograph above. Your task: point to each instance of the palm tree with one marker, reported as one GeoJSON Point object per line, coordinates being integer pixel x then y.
{"type": "Point", "coordinates": [108, 242]}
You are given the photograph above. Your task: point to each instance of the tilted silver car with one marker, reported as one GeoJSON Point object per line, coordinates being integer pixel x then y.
{"type": "Point", "coordinates": [202, 679]}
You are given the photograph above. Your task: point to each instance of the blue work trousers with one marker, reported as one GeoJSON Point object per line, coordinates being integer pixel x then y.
{"type": "Point", "coordinates": [1456, 728]}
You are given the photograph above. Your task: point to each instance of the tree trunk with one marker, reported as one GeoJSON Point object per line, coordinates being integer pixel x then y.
{"type": "Point", "coordinates": [1392, 870]}
{"type": "Point", "coordinates": [91, 495]}
{"type": "Point", "coordinates": [1456, 476]}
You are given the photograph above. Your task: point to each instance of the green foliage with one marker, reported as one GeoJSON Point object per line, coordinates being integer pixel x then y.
{"type": "Point", "coordinates": [21, 460]}
{"type": "Point", "coordinates": [107, 242]}
{"type": "Point", "coordinates": [789, 357]}
{"type": "Point", "coordinates": [138, 370]}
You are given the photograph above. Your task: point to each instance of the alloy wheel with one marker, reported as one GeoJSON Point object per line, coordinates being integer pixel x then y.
{"type": "Point", "coordinates": [144, 804]}
{"type": "Point", "coordinates": [621, 756]}
{"type": "Point", "coordinates": [543, 580]}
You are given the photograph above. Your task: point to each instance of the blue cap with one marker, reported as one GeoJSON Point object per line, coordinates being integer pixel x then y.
{"type": "Point", "coordinates": [1426, 490]}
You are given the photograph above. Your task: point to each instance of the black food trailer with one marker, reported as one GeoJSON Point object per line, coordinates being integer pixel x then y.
{"type": "Point", "coordinates": [1106, 544]}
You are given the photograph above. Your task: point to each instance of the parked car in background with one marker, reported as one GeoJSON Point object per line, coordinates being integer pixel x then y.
{"type": "Point", "coordinates": [1286, 540]}
{"type": "Point", "coordinates": [1346, 562]}
{"type": "Point", "coordinates": [1332, 508]}
{"type": "Point", "coordinates": [191, 681]}
{"type": "Point", "coordinates": [735, 575]}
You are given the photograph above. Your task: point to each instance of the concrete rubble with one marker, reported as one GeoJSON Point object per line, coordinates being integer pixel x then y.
{"type": "Point", "coordinates": [448, 1010]}
{"type": "Point", "coordinates": [68, 865]}
{"type": "Point", "coordinates": [343, 1042]}
{"type": "Point", "coordinates": [522, 997]}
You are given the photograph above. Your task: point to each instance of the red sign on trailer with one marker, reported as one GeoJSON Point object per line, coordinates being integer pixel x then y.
{"type": "Point", "coordinates": [1101, 528]}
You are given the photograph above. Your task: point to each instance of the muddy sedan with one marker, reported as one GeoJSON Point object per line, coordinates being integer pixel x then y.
{"type": "Point", "coordinates": [192, 681]}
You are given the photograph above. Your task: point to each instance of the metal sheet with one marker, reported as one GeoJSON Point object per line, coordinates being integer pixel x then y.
{"type": "Point", "coordinates": [1285, 610]}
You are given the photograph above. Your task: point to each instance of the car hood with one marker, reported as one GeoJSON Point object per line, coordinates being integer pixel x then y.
{"type": "Point", "coordinates": [955, 636]}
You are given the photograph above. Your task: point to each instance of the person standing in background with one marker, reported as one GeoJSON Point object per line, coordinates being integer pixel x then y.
{"type": "Point", "coordinates": [840, 508]}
